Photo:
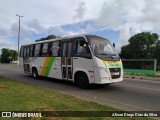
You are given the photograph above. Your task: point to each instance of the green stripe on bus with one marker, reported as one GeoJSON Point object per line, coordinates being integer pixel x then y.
{"type": "Point", "coordinates": [64, 38]}
{"type": "Point", "coordinates": [49, 66]}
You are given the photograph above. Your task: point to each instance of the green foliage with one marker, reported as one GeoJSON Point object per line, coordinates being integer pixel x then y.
{"type": "Point", "coordinates": [5, 55]}
{"type": "Point", "coordinates": [50, 37]}
{"type": "Point", "coordinates": [125, 52]}
{"type": "Point", "coordinates": [157, 52]}
{"type": "Point", "coordinates": [47, 38]}
{"type": "Point", "coordinates": [13, 54]}
{"type": "Point", "coordinates": [8, 55]}
{"type": "Point", "coordinates": [143, 45]}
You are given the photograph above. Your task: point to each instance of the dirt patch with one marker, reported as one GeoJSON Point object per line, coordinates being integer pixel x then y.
{"type": "Point", "coordinates": [4, 87]}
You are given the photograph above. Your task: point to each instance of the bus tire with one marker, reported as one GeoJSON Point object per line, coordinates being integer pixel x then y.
{"type": "Point", "coordinates": [81, 80]}
{"type": "Point", "coordinates": [35, 73]}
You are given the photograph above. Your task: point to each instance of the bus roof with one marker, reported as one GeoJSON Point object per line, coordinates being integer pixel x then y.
{"type": "Point", "coordinates": [62, 38]}
{"type": "Point", "coordinates": [56, 39]}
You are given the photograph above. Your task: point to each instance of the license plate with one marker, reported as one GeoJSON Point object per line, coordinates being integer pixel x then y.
{"type": "Point", "coordinates": [115, 73]}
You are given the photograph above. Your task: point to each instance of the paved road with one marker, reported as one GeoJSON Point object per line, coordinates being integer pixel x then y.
{"type": "Point", "coordinates": [131, 94]}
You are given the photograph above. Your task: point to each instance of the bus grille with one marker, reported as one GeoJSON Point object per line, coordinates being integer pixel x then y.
{"type": "Point", "coordinates": [115, 72]}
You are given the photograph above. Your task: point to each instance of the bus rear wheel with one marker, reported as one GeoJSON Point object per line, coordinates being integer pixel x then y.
{"type": "Point", "coordinates": [82, 80]}
{"type": "Point", "coordinates": [35, 73]}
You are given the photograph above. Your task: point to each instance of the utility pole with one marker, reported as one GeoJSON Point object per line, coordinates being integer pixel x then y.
{"type": "Point", "coordinates": [18, 34]}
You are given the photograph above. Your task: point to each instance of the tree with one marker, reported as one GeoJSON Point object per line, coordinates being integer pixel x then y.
{"type": "Point", "coordinates": [47, 38]}
{"type": "Point", "coordinates": [8, 55]}
{"type": "Point", "coordinates": [50, 37]}
{"type": "Point", "coordinates": [141, 46]}
{"type": "Point", "coordinates": [125, 52]}
{"type": "Point", "coordinates": [5, 55]}
{"type": "Point", "coordinates": [13, 55]}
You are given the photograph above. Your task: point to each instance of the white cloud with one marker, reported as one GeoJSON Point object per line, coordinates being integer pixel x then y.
{"type": "Point", "coordinates": [47, 12]}
{"type": "Point", "coordinates": [127, 16]}
{"type": "Point", "coordinates": [130, 17]}
{"type": "Point", "coordinates": [26, 41]}
{"type": "Point", "coordinates": [25, 30]}
{"type": "Point", "coordinates": [6, 43]}
{"type": "Point", "coordinates": [36, 26]}
{"type": "Point", "coordinates": [55, 30]}
{"type": "Point", "coordinates": [93, 8]}
{"type": "Point", "coordinates": [125, 33]}
{"type": "Point", "coordinates": [80, 11]}
{"type": "Point", "coordinates": [3, 32]}
{"type": "Point", "coordinates": [89, 27]}
{"type": "Point", "coordinates": [37, 14]}
{"type": "Point", "coordinates": [70, 33]}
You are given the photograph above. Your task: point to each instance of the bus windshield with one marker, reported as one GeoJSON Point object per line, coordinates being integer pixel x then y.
{"type": "Point", "coordinates": [102, 48]}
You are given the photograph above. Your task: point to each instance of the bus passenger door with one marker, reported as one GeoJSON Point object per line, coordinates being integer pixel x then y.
{"type": "Point", "coordinates": [66, 61]}
{"type": "Point", "coordinates": [26, 60]}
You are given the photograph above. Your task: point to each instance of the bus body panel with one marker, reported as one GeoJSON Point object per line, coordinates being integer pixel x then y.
{"type": "Point", "coordinates": [81, 64]}
{"type": "Point", "coordinates": [102, 72]}
{"type": "Point", "coordinates": [36, 62]}
{"type": "Point", "coordinates": [47, 66]}
{"type": "Point", "coordinates": [55, 71]}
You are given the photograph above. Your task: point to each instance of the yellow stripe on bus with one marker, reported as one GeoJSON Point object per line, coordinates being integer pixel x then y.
{"type": "Point", "coordinates": [59, 38]}
{"type": "Point", "coordinates": [45, 66]}
{"type": "Point", "coordinates": [112, 63]}
{"type": "Point", "coordinates": [104, 62]}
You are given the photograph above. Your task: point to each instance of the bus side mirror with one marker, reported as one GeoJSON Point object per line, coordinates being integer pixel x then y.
{"type": "Point", "coordinates": [114, 45]}
{"type": "Point", "coordinates": [84, 45]}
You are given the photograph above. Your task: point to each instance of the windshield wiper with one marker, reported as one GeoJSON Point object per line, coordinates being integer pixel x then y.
{"type": "Point", "coordinates": [103, 54]}
{"type": "Point", "coordinates": [113, 56]}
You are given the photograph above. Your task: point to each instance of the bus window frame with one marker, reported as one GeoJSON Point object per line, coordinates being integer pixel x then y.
{"type": "Point", "coordinates": [58, 51]}
{"type": "Point", "coordinates": [88, 55]}
{"type": "Point", "coordinates": [41, 51]}
{"type": "Point", "coordinates": [21, 51]}
{"type": "Point", "coordinates": [32, 50]}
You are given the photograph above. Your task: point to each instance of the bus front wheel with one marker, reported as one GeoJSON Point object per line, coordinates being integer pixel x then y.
{"type": "Point", "coordinates": [82, 80]}
{"type": "Point", "coordinates": [35, 73]}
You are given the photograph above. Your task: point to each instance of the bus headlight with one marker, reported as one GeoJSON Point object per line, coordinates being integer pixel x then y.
{"type": "Point", "coordinates": [103, 69]}
{"type": "Point", "coordinates": [103, 73]}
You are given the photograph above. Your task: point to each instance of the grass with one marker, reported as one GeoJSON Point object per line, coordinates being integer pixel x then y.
{"type": "Point", "coordinates": [146, 75]}
{"type": "Point", "coordinates": [19, 96]}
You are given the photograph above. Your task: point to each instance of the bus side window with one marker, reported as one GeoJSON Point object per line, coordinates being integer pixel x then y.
{"type": "Point", "coordinates": [37, 50]}
{"type": "Point", "coordinates": [45, 49]}
{"type": "Point", "coordinates": [49, 52]}
{"type": "Point", "coordinates": [55, 49]}
{"type": "Point", "coordinates": [21, 52]}
{"type": "Point", "coordinates": [32, 50]}
{"type": "Point", "coordinates": [28, 50]}
{"type": "Point", "coordinates": [25, 52]}
{"type": "Point", "coordinates": [81, 47]}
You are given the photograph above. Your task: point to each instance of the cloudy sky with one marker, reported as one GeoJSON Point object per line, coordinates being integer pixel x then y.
{"type": "Point", "coordinates": [116, 20]}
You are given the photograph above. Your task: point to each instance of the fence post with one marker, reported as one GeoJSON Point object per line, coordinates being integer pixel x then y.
{"type": "Point", "coordinates": [155, 65]}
